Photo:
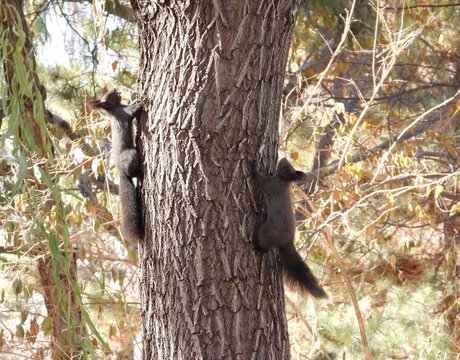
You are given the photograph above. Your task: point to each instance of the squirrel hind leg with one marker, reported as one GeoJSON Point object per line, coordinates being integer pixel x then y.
{"type": "Point", "coordinates": [265, 240]}
{"type": "Point", "coordinates": [130, 162]}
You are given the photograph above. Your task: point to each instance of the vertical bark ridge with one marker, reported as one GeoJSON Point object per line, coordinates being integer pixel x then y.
{"type": "Point", "coordinates": [210, 78]}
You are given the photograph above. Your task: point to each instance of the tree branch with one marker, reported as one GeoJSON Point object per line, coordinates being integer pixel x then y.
{"type": "Point", "coordinates": [420, 6]}
{"type": "Point", "coordinates": [319, 174]}
{"type": "Point", "coordinates": [434, 154]}
{"type": "Point", "coordinates": [113, 7]}
{"type": "Point", "coordinates": [318, 63]}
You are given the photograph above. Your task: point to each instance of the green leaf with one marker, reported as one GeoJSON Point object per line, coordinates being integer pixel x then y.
{"type": "Point", "coordinates": [19, 331]}
{"type": "Point", "coordinates": [47, 325]}
{"type": "Point", "coordinates": [349, 159]}
{"type": "Point", "coordinates": [22, 171]}
{"type": "Point", "coordinates": [439, 189]}
{"type": "Point", "coordinates": [17, 286]}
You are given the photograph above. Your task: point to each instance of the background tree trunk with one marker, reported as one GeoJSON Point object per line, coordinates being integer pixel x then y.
{"type": "Point", "coordinates": [211, 78]}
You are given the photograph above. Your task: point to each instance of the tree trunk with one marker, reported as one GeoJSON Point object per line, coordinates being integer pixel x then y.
{"type": "Point", "coordinates": [210, 78]}
{"type": "Point", "coordinates": [62, 307]}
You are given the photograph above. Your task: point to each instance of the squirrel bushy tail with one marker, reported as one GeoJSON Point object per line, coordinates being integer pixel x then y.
{"type": "Point", "coordinates": [130, 225]}
{"type": "Point", "coordinates": [298, 273]}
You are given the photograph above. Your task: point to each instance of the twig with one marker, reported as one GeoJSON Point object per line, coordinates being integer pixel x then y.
{"type": "Point", "coordinates": [351, 290]}
{"type": "Point", "coordinates": [344, 272]}
{"type": "Point", "coordinates": [305, 322]}
{"type": "Point", "coordinates": [338, 49]}
{"type": "Point", "coordinates": [324, 171]}
{"type": "Point", "coordinates": [406, 131]}
{"type": "Point", "coordinates": [300, 315]}
{"type": "Point", "coordinates": [396, 47]}
{"type": "Point", "coordinates": [419, 6]}
{"type": "Point", "coordinates": [7, 250]}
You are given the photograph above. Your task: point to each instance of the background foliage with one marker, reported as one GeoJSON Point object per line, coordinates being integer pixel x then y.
{"type": "Point", "coordinates": [370, 111]}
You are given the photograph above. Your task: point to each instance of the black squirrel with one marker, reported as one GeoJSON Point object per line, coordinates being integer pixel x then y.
{"type": "Point", "coordinates": [127, 162]}
{"type": "Point", "coordinates": [279, 229]}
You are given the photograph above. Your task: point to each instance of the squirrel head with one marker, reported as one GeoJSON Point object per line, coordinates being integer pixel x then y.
{"type": "Point", "coordinates": [111, 104]}
{"type": "Point", "coordinates": [109, 101]}
{"type": "Point", "coordinates": [286, 172]}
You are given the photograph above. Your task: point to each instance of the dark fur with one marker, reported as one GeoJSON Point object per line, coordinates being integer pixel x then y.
{"type": "Point", "coordinates": [279, 229]}
{"type": "Point", "coordinates": [127, 161]}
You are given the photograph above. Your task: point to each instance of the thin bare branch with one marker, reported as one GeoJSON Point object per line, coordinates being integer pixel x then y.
{"type": "Point", "coordinates": [325, 171]}
{"type": "Point", "coordinates": [305, 322]}
{"type": "Point", "coordinates": [351, 290]}
{"type": "Point", "coordinates": [338, 49]}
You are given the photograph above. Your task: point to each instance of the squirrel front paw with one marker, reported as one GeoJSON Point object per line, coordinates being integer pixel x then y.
{"type": "Point", "coordinates": [252, 166]}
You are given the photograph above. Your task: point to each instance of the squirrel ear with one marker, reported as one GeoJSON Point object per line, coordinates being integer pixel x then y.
{"type": "Point", "coordinates": [301, 175]}
{"type": "Point", "coordinates": [94, 104]}
{"type": "Point", "coordinates": [98, 104]}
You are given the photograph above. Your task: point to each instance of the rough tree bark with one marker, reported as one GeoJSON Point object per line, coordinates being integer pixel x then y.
{"type": "Point", "coordinates": [211, 79]}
